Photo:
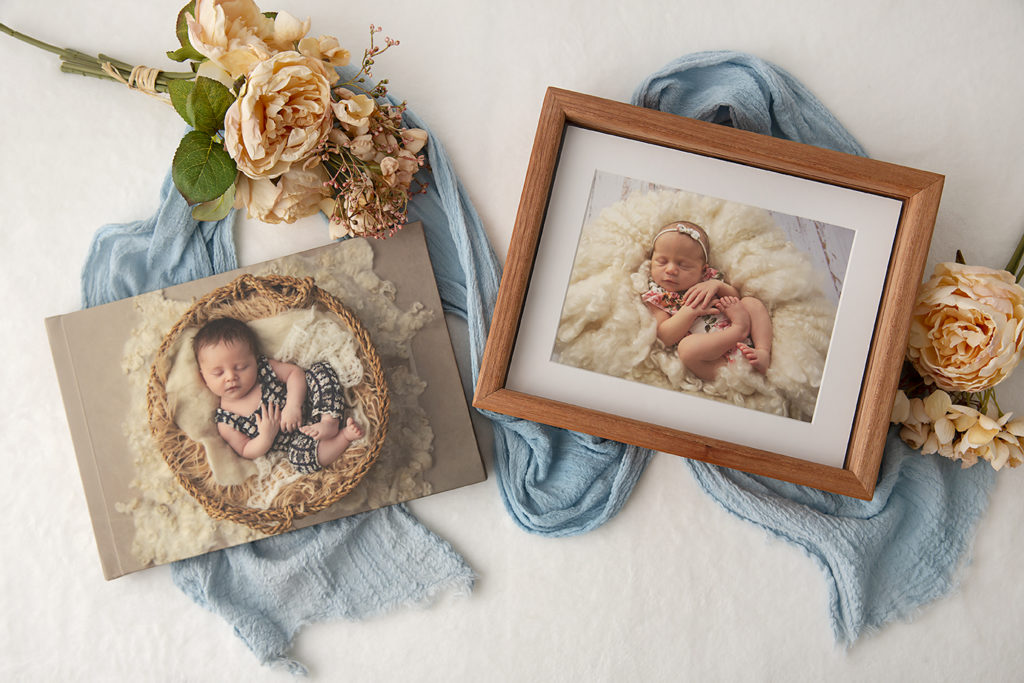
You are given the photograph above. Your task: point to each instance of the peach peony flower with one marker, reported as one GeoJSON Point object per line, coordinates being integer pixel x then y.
{"type": "Point", "coordinates": [363, 148]}
{"type": "Point", "coordinates": [353, 110]}
{"type": "Point", "coordinates": [325, 48]}
{"type": "Point", "coordinates": [288, 32]}
{"type": "Point", "coordinates": [389, 169]}
{"type": "Point", "coordinates": [408, 164]}
{"type": "Point", "coordinates": [236, 35]}
{"type": "Point", "coordinates": [900, 408]}
{"type": "Point", "coordinates": [282, 115]}
{"type": "Point", "coordinates": [937, 425]}
{"type": "Point", "coordinates": [967, 329]}
{"type": "Point", "coordinates": [213, 70]}
{"type": "Point", "coordinates": [231, 33]}
{"type": "Point", "coordinates": [413, 139]}
{"type": "Point", "coordinates": [915, 434]}
{"type": "Point", "coordinates": [296, 194]}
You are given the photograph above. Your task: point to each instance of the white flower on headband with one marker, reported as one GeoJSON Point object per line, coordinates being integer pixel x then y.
{"type": "Point", "coordinates": [684, 229]}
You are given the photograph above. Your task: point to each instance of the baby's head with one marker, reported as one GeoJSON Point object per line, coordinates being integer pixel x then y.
{"type": "Point", "coordinates": [679, 254]}
{"type": "Point", "coordinates": [225, 350]}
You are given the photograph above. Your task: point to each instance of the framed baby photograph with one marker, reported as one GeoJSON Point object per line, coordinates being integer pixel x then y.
{"type": "Point", "coordinates": [709, 292]}
{"type": "Point", "coordinates": [265, 399]}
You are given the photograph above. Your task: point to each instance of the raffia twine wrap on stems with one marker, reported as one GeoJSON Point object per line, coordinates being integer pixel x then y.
{"type": "Point", "coordinates": [250, 298]}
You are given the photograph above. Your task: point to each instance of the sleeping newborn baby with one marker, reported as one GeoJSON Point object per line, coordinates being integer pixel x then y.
{"type": "Point", "coordinates": [269, 404]}
{"type": "Point", "coordinates": [700, 313]}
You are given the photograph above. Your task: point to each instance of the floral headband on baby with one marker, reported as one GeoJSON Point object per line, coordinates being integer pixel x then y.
{"type": "Point", "coordinates": [683, 229]}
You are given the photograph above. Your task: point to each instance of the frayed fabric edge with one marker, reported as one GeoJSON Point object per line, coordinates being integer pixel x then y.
{"type": "Point", "coordinates": [458, 586]}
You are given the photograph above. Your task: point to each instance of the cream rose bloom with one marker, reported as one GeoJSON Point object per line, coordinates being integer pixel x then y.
{"type": "Point", "coordinates": [296, 194]}
{"type": "Point", "coordinates": [282, 115]}
{"type": "Point", "coordinates": [967, 328]}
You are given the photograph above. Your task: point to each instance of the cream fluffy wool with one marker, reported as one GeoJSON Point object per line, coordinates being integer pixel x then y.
{"type": "Point", "coordinates": [603, 311]}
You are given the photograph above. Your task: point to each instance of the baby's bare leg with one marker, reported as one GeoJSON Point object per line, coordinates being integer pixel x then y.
{"type": "Point", "coordinates": [702, 353]}
{"type": "Point", "coordinates": [760, 356]}
{"type": "Point", "coordinates": [330, 449]}
{"type": "Point", "coordinates": [703, 369]}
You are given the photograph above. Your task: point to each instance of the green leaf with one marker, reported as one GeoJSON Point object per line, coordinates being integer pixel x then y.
{"type": "Point", "coordinates": [207, 104]}
{"type": "Point", "coordinates": [1015, 260]}
{"type": "Point", "coordinates": [180, 91]}
{"type": "Point", "coordinates": [201, 169]}
{"type": "Point", "coordinates": [216, 209]}
{"type": "Point", "coordinates": [186, 52]}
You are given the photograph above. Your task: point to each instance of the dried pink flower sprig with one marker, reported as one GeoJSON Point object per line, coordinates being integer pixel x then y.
{"type": "Point", "coordinates": [370, 157]}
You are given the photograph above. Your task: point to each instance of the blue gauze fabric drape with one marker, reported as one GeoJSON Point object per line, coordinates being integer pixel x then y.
{"type": "Point", "coordinates": [552, 481]}
{"type": "Point", "coordinates": [351, 568]}
{"type": "Point", "coordinates": [884, 558]}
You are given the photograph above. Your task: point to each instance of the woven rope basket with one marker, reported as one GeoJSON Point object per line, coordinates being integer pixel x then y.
{"type": "Point", "coordinates": [251, 298]}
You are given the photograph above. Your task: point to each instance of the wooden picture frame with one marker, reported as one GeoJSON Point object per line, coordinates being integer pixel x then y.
{"type": "Point", "coordinates": [914, 194]}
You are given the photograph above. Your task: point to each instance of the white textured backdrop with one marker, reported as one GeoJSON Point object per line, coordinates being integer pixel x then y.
{"type": "Point", "coordinates": [673, 588]}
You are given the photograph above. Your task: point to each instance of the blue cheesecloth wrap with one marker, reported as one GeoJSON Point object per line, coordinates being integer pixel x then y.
{"type": "Point", "coordinates": [882, 558]}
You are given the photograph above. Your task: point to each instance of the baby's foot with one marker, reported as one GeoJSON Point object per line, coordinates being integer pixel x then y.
{"type": "Point", "coordinates": [737, 314]}
{"type": "Point", "coordinates": [759, 359]}
{"type": "Point", "coordinates": [324, 429]}
{"type": "Point", "coordinates": [352, 430]}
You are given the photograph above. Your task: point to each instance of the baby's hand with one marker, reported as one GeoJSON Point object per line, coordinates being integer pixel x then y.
{"type": "Point", "coordinates": [268, 419]}
{"type": "Point", "coordinates": [692, 312]}
{"type": "Point", "coordinates": [291, 417]}
{"type": "Point", "coordinates": [710, 310]}
{"type": "Point", "coordinates": [701, 294]}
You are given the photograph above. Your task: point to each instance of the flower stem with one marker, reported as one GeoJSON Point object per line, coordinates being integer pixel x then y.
{"type": "Point", "coordinates": [75, 62]}
{"type": "Point", "coordinates": [1013, 265]}
{"type": "Point", "coordinates": [999, 410]}
{"type": "Point", "coordinates": [32, 41]}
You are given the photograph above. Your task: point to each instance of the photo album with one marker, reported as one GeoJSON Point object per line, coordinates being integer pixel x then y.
{"type": "Point", "coordinates": [265, 399]}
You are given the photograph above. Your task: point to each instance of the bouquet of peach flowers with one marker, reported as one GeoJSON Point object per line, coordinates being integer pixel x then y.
{"type": "Point", "coordinates": [966, 336]}
{"type": "Point", "coordinates": [274, 129]}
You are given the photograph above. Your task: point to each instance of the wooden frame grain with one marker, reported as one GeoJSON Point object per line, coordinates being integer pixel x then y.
{"type": "Point", "coordinates": [918, 191]}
